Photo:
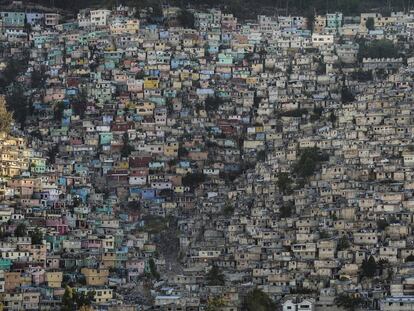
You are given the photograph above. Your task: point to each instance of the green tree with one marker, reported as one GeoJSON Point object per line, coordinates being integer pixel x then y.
{"type": "Point", "coordinates": [310, 15]}
{"type": "Point", "coordinates": [182, 152]}
{"type": "Point", "coordinates": [140, 75]}
{"type": "Point", "coordinates": [286, 210]}
{"type": "Point", "coordinates": [52, 153]}
{"type": "Point", "coordinates": [343, 243]}
{"type": "Point", "coordinates": [382, 224]}
{"type": "Point", "coordinates": [73, 300]}
{"type": "Point", "coordinates": [324, 234]}
{"type": "Point", "coordinates": [212, 103]}
{"type": "Point", "coordinates": [6, 117]}
{"type": "Point", "coordinates": [296, 113]}
{"type": "Point", "coordinates": [193, 179]}
{"type": "Point", "coordinates": [377, 49]}
{"type": "Point", "coordinates": [228, 209]}
{"type": "Point", "coordinates": [257, 300]}
{"type": "Point", "coordinates": [370, 23]}
{"type": "Point", "coordinates": [321, 69]}
{"type": "Point", "coordinates": [369, 267]}
{"type": "Point", "coordinates": [37, 236]}
{"type": "Point", "coordinates": [214, 277]}
{"type": "Point", "coordinates": [215, 304]}
{"type": "Point", "coordinates": [38, 78]}
{"type": "Point", "coordinates": [68, 303]}
{"type": "Point", "coordinates": [308, 161]}
{"type": "Point", "coordinates": [13, 69]}
{"type": "Point", "coordinates": [362, 75]}
{"type": "Point", "coordinates": [332, 118]}
{"type": "Point", "coordinates": [80, 103]}
{"type": "Point", "coordinates": [186, 19]}
{"type": "Point", "coordinates": [284, 183]}
{"type": "Point", "coordinates": [58, 111]}
{"type": "Point", "coordinates": [126, 147]}
{"type": "Point", "coordinates": [349, 302]}
{"type": "Point", "coordinates": [347, 95]}
{"type": "Point", "coordinates": [21, 230]}
{"type": "Point", "coordinates": [83, 299]}
{"type": "Point", "coordinates": [261, 156]}
{"type": "Point", "coordinates": [153, 269]}
{"type": "Point", "coordinates": [17, 103]}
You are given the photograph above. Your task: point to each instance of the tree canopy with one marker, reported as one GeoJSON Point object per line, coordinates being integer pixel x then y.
{"type": "Point", "coordinates": [18, 104]}
{"type": "Point", "coordinates": [21, 230]}
{"type": "Point", "coordinates": [6, 117]}
{"type": "Point", "coordinates": [284, 182]}
{"type": "Point", "coordinates": [215, 277]}
{"type": "Point", "coordinates": [257, 300]}
{"type": "Point", "coordinates": [378, 49]}
{"type": "Point", "coordinates": [153, 269]}
{"type": "Point", "coordinates": [37, 236]}
{"type": "Point", "coordinates": [213, 103]}
{"type": "Point", "coordinates": [73, 300]}
{"type": "Point", "coordinates": [194, 179]}
{"type": "Point", "coordinates": [248, 9]}
{"type": "Point", "coordinates": [308, 161]}
{"type": "Point", "coordinates": [349, 302]}
{"type": "Point", "coordinates": [369, 267]}
{"type": "Point", "coordinates": [370, 23]}
{"type": "Point", "coordinates": [186, 19]}
{"type": "Point", "coordinates": [343, 243]}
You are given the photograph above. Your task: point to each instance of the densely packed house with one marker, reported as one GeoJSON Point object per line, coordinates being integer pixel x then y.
{"type": "Point", "coordinates": [163, 167]}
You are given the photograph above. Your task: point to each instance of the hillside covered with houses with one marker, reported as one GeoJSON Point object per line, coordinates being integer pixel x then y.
{"type": "Point", "coordinates": [189, 160]}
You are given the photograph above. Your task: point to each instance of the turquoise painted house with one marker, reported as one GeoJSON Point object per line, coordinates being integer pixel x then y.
{"type": "Point", "coordinates": [105, 138]}
{"type": "Point", "coordinates": [5, 264]}
{"type": "Point", "coordinates": [225, 59]}
{"type": "Point", "coordinates": [13, 19]}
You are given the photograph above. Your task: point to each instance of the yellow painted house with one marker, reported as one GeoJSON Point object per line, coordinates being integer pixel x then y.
{"type": "Point", "coordinates": [151, 83]}
{"type": "Point", "coordinates": [171, 149]}
{"type": "Point", "coordinates": [95, 277]}
{"type": "Point", "coordinates": [54, 279]}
